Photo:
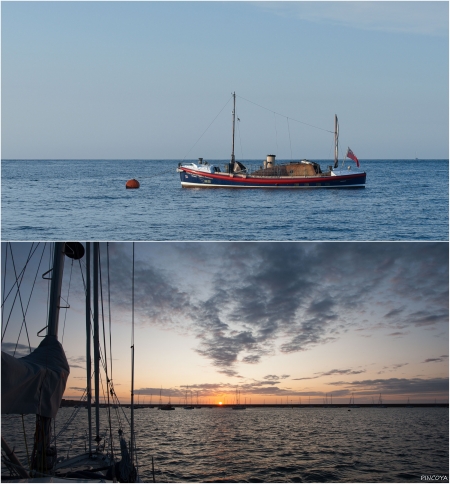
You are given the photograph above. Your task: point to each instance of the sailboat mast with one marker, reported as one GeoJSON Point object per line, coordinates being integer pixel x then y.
{"type": "Point", "coordinates": [132, 362]}
{"type": "Point", "coordinates": [88, 342]}
{"type": "Point", "coordinates": [96, 347]}
{"type": "Point", "coordinates": [336, 141]}
{"type": "Point", "coordinates": [234, 120]}
{"type": "Point", "coordinates": [44, 455]}
{"type": "Point", "coordinates": [43, 433]}
{"type": "Point", "coordinates": [55, 289]}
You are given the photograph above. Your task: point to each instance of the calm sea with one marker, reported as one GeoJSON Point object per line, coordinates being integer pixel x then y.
{"type": "Point", "coordinates": [87, 200]}
{"type": "Point", "coordinates": [273, 444]}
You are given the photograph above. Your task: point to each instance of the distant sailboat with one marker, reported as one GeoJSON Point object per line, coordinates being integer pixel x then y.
{"type": "Point", "coordinates": [352, 402]}
{"type": "Point", "coordinates": [186, 406]}
{"type": "Point", "coordinates": [238, 405]}
{"type": "Point", "coordinates": [167, 406]}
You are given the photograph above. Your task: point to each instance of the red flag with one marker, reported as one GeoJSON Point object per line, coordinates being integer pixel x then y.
{"type": "Point", "coordinates": [352, 157]}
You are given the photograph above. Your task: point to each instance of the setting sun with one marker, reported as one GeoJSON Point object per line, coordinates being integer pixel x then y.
{"type": "Point", "coordinates": [220, 403]}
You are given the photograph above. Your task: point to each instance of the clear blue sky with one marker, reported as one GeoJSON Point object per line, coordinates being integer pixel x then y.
{"type": "Point", "coordinates": [145, 79]}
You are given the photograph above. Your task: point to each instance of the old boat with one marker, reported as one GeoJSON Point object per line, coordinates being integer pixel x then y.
{"type": "Point", "coordinates": [295, 174]}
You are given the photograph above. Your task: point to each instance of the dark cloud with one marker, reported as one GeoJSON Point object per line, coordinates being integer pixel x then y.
{"type": "Point", "coordinates": [294, 291]}
{"type": "Point", "coordinates": [17, 350]}
{"type": "Point", "coordinates": [394, 313]}
{"type": "Point", "coordinates": [397, 385]}
{"type": "Point", "coordinates": [436, 360]}
{"type": "Point", "coordinates": [427, 317]}
{"type": "Point", "coordinates": [157, 299]}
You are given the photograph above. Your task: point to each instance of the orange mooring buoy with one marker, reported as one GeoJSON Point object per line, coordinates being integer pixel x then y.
{"type": "Point", "coordinates": [132, 184]}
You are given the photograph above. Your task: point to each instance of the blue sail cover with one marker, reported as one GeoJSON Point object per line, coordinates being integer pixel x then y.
{"type": "Point", "coordinates": [35, 383]}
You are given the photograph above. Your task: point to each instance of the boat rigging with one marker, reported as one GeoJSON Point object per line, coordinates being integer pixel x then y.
{"type": "Point", "coordinates": [36, 383]}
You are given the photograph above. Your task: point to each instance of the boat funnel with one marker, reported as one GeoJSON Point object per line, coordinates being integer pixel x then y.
{"type": "Point", "coordinates": [269, 162]}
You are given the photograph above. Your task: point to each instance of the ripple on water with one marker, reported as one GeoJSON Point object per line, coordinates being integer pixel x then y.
{"type": "Point", "coordinates": [57, 204]}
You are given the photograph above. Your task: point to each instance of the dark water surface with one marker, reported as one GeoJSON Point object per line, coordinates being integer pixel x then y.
{"type": "Point", "coordinates": [273, 444]}
{"type": "Point", "coordinates": [87, 200]}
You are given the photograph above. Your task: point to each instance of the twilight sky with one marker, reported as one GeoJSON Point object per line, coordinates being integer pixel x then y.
{"type": "Point", "coordinates": [146, 79]}
{"type": "Point", "coordinates": [280, 320]}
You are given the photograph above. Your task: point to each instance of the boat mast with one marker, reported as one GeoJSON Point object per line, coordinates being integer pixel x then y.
{"type": "Point", "coordinates": [132, 362]}
{"type": "Point", "coordinates": [44, 455]}
{"type": "Point", "coordinates": [55, 290]}
{"type": "Point", "coordinates": [234, 116]}
{"type": "Point", "coordinates": [96, 347]}
{"type": "Point", "coordinates": [88, 342]}
{"type": "Point", "coordinates": [336, 141]}
{"type": "Point", "coordinates": [41, 459]}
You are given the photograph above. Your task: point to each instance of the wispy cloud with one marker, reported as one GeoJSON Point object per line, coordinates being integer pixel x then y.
{"type": "Point", "coordinates": [423, 18]}
{"type": "Point", "coordinates": [77, 389]}
{"type": "Point", "coordinates": [391, 368]}
{"type": "Point", "coordinates": [332, 372]}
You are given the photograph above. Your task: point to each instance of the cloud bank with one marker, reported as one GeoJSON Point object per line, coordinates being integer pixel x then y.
{"type": "Point", "coordinates": [263, 299]}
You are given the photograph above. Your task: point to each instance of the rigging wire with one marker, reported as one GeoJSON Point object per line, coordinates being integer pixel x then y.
{"type": "Point", "coordinates": [276, 132]}
{"type": "Point", "coordinates": [207, 128]}
{"type": "Point", "coordinates": [240, 140]}
{"type": "Point", "coordinates": [18, 284]}
{"type": "Point", "coordinates": [284, 116]}
{"type": "Point", "coordinates": [26, 444]}
{"type": "Point", "coordinates": [111, 392]}
{"type": "Point", "coordinates": [20, 297]}
{"type": "Point", "coordinates": [31, 293]}
{"type": "Point", "coordinates": [105, 349]}
{"type": "Point", "coordinates": [102, 358]}
{"type": "Point", "coordinates": [289, 131]}
{"type": "Point", "coordinates": [109, 310]}
{"type": "Point", "coordinates": [21, 272]}
{"type": "Point", "coordinates": [4, 284]}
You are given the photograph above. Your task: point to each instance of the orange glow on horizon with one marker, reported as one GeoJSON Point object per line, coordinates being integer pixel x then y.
{"type": "Point", "coordinates": [220, 403]}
